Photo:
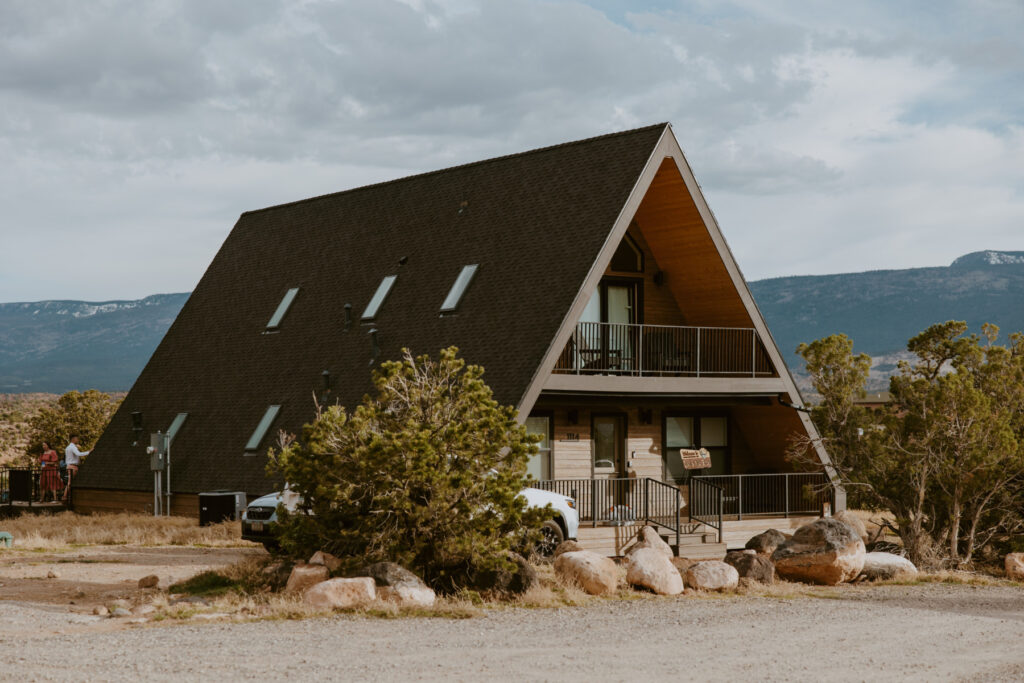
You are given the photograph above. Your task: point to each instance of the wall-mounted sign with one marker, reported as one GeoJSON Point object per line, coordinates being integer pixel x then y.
{"type": "Point", "coordinates": [571, 436]}
{"type": "Point", "coordinates": [695, 459]}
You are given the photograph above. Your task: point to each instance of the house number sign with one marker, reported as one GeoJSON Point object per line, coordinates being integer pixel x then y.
{"type": "Point", "coordinates": [571, 436]}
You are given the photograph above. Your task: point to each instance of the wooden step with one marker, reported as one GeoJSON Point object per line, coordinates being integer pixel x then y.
{"type": "Point", "coordinates": [704, 551]}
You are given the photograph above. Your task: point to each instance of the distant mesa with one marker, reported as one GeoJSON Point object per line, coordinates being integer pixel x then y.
{"type": "Point", "coordinates": [989, 258]}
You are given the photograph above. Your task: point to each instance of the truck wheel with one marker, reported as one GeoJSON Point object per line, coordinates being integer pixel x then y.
{"type": "Point", "coordinates": [551, 535]}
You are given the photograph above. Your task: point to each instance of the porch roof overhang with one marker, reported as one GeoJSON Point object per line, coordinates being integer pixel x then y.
{"type": "Point", "coordinates": [678, 386]}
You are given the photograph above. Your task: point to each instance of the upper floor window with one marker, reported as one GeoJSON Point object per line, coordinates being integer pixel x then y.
{"type": "Point", "coordinates": [282, 308]}
{"type": "Point", "coordinates": [628, 258]}
{"type": "Point", "coordinates": [451, 302]}
{"type": "Point", "coordinates": [378, 297]}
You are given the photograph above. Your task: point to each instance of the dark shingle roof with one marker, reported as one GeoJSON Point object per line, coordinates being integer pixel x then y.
{"type": "Point", "coordinates": [535, 222]}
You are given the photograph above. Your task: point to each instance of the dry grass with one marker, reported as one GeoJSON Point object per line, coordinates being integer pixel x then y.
{"type": "Point", "coordinates": [67, 529]}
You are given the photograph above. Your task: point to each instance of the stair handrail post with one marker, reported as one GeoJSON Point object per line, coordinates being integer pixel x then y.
{"type": "Point", "coordinates": [721, 504]}
{"type": "Point", "coordinates": [679, 501]}
{"type": "Point", "coordinates": [647, 509]}
{"type": "Point", "coordinates": [593, 502]}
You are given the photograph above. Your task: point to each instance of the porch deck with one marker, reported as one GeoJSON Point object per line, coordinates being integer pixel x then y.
{"type": "Point", "coordinates": [699, 520]}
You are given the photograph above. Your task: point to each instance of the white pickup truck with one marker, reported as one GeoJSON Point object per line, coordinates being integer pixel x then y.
{"type": "Point", "coordinates": [260, 517]}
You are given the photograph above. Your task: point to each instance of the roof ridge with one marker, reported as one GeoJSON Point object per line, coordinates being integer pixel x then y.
{"type": "Point", "coordinates": [458, 166]}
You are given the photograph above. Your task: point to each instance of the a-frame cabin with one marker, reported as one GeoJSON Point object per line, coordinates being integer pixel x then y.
{"type": "Point", "coordinates": [589, 279]}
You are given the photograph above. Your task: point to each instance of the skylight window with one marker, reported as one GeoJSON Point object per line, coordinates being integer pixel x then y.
{"type": "Point", "coordinates": [179, 420]}
{"type": "Point", "coordinates": [282, 308]}
{"type": "Point", "coordinates": [378, 297]}
{"type": "Point", "coordinates": [262, 427]}
{"type": "Point", "coordinates": [451, 302]}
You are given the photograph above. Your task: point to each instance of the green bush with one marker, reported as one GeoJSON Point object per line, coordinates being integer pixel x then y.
{"type": "Point", "coordinates": [426, 474]}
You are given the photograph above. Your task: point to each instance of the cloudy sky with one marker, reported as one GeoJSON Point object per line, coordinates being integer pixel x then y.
{"type": "Point", "coordinates": [856, 135]}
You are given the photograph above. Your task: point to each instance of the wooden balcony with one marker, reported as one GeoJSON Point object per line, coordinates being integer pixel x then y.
{"type": "Point", "coordinates": [664, 351]}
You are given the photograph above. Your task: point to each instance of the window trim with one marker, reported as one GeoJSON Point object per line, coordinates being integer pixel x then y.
{"type": "Point", "coordinates": [262, 427]}
{"type": "Point", "coordinates": [696, 416]}
{"type": "Point", "coordinates": [635, 246]}
{"type": "Point", "coordinates": [282, 308]}
{"type": "Point", "coordinates": [465, 279]}
{"type": "Point", "coordinates": [380, 295]}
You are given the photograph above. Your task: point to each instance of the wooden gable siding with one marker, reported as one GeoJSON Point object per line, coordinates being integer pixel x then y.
{"type": "Point", "coordinates": [672, 227]}
{"type": "Point", "coordinates": [660, 307]}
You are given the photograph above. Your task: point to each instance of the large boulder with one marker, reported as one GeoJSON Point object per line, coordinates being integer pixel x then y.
{"type": "Point", "coordinates": [884, 566]}
{"type": "Point", "coordinates": [712, 575]}
{"type": "Point", "coordinates": [596, 574]}
{"type": "Point", "coordinates": [767, 541]}
{"type": "Point", "coordinates": [1015, 566]}
{"type": "Point", "coordinates": [648, 537]}
{"type": "Point", "coordinates": [332, 563]}
{"type": "Point", "coordinates": [651, 569]}
{"type": "Point", "coordinates": [753, 566]}
{"type": "Point", "coordinates": [395, 583]}
{"type": "Point", "coordinates": [854, 521]}
{"type": "Point", "coordinates": [569, 546]}
{"type": "Point", "coordinates": [826, 551]}
{"type": "Point", "coordinates": [516, 580]}
{"type": "Point", "coordinates": [304, 576]}
{"type": "Point", "coordinates": [341, 593]}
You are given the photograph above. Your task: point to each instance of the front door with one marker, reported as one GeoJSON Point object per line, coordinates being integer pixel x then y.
{"type": "Point", "coordinates": [609, 436]}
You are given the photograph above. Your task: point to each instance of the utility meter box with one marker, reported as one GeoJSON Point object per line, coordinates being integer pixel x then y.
{"type": "Point", "coordinates": [157, 452]}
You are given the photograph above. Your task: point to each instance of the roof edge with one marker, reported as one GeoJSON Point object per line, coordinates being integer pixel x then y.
{"type": "Point", "coordinates": [460, 166]}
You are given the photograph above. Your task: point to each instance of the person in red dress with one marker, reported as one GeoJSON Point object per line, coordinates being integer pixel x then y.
{"type": "Point", "coordinates": [49, 477]}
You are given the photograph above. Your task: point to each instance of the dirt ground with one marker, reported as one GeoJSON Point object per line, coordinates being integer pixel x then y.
{"type": "Point", "coordinates": [84, 578]}
{"type": "Point", "coordinates": [922, 632]}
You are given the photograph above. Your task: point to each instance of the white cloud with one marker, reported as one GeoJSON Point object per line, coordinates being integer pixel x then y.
{"type": "Point", "coordinates": [862, 134]}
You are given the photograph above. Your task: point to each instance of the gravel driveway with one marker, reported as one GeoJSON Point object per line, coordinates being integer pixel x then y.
{"type": "Point", "coordinates": [928, 632]}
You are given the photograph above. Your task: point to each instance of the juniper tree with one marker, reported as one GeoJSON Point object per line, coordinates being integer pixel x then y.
{"type": "Point", "coordinates": [426, 474]}
{"type": "Point", "coordinates": [946, 455]}
{"type": "Point", "coordinates": [85, 414]}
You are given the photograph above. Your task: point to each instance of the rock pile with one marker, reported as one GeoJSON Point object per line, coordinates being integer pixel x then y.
{"type": "Point", "coordinates": [752, 566]}
{"type": "Point", "coordinates": [712, 575]}
{"type": "Point", "coordinates": [596, 574]}
{"type": "Point", "coordinates": [651, 569]}
{"type": "Point", "coordinates": [826, 551]}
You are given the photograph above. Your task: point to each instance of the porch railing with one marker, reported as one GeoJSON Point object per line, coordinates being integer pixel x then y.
{"type": "Point", "coordinates": [663, 350]}
{"type": "Point", "coordinates": [762, 495]}
{"type": "Point", "coordinates": [19, 485]}
{"type": "Point", "coordinates": [707, 504]}
{"type": "Point", "coordinates": [625, 501]}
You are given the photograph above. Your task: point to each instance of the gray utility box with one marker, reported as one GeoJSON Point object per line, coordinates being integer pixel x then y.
{"type": "Point", "coordinates": [220, 506]}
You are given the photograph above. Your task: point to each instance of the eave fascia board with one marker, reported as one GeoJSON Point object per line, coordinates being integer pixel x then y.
{"type": "Point", "coordinates": [708, 217]}
{"type": "Point", "coordinates": [596, 272]}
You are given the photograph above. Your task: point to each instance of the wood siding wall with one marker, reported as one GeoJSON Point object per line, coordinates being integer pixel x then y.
{"type": "Point", "coordinates": [758, 437]}
{"type": "Point", "coordinates": [572, 451]}
{"type": "Point", "coordinates": [90, 501]}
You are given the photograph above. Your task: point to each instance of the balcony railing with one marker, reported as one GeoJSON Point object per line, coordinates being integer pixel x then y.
{"type": "Point", "coordinates": [662, 350]}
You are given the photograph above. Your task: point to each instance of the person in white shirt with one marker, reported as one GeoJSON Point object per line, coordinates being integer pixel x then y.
{"type": "Point", "coordinates": [72, 457]}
